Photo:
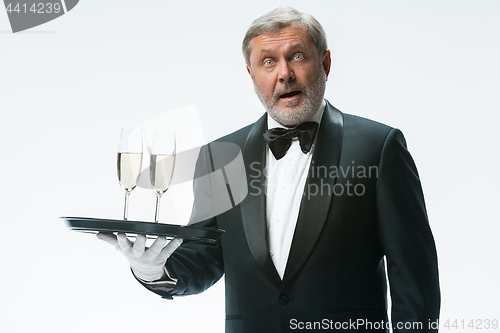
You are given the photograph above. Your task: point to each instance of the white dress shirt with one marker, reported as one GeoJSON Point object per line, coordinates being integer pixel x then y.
{"type": "Point", "coordinates": [285, 183]}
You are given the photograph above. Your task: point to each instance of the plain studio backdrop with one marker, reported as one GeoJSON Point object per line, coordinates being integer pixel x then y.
{"type": "Point", "coordinates": [430, 68]}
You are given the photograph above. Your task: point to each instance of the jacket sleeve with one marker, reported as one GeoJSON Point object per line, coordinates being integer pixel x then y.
{"type": "Point", "coordinates": [406, 239]}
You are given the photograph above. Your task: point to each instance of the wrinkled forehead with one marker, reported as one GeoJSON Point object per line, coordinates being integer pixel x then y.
{"type": "Point", "coordinates": [292, 36]}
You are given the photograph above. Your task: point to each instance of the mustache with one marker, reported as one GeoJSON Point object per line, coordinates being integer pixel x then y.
{"type": "Point", "coordinates": [289, 86]}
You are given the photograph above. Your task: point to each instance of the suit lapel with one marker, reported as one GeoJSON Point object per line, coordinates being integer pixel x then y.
{"type": "Point", "coordinates": [253, 208]}
{"type": "Point", "coordinates": [314, 209]}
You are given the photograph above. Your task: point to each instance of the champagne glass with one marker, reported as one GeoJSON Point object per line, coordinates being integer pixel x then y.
{"type": "Point", "coordinates": [161, 167]}
{"type": "Point", "coordinates": [129, 162]}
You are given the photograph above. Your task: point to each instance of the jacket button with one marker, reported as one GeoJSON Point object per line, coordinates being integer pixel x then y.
{"type": "Point", "coordinates": [283, 299]}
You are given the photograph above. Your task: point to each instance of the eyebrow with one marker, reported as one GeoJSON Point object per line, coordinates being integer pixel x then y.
{"type": "Point", "coordinates": [293, 47]}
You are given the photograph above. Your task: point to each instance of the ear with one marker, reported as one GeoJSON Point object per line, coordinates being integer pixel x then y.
{"type": "Point", "coordinates": [249, 72]}
{"type": "Point", "coordinates": [327, 62]}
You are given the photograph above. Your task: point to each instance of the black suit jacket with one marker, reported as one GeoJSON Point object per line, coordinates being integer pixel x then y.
{"type": "Point", "coordinates": [362, 201]}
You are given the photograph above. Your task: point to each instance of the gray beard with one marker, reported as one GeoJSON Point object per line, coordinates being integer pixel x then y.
{"type": "Point", "coordinates": [295, 115]}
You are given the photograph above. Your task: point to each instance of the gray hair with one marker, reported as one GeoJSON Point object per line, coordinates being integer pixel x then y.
{"type": "Point", "coordinates": [280, 18]}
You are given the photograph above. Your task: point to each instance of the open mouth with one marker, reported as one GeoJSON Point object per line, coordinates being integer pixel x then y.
{"type": "Point", "coordinates": [290, 94]}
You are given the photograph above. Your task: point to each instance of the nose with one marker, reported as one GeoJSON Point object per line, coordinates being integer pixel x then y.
{"type": "Point", "coordinates": [285, 73]}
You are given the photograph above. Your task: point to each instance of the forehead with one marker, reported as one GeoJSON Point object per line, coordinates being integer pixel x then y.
{"type": "Point", "coordinates": [289, 37]}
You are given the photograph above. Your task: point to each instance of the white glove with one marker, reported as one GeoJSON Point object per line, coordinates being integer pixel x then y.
{"type": "Point", "coordinates": [148, 264]}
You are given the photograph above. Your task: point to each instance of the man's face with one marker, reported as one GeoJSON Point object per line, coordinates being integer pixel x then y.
{"type": "Point", "coordinates": [288, 74]}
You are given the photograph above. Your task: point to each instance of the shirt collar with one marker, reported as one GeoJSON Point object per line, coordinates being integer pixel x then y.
{"type": "Point", "coordinates": [271, 123]}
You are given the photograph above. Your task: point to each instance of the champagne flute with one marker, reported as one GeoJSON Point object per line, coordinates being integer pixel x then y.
{"type": "Point", "coordinates": [129, 162]}
{"type": "Point", "coordinates": [161, 167]}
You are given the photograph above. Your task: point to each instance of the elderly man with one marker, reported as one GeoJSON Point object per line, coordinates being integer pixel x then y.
{"type": "Point", "coordinates": [306, 248]}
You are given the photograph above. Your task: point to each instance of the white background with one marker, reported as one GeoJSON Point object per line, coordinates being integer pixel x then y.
{"type": "Point", "coordinates": [430, 68]}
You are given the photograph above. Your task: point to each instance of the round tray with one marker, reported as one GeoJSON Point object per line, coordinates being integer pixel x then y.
{"type": "Point", "coordinates": [87, 224]}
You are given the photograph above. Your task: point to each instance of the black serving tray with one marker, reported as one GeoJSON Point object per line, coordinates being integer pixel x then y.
{"type": "Point", "coordinates": [94, 225]}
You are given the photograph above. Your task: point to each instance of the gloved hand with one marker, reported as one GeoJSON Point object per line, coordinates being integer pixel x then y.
{"type": "Point", "coordinates": [148, 264]}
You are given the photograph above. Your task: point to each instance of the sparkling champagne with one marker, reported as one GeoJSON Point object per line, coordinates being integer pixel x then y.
{"type": "Point", "coordinates": [129, 169]}
{"type": "Point", "coordinates": [161, 170]}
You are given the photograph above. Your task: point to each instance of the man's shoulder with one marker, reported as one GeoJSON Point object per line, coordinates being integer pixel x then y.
{"type": "Point", "coordinates": [358, 124]}
{"type": "Point", "coordinates": [363, 132]}
{"type": "Point", "coordinates": [238, 137]}
{"type": "Point", "coordinates": [353, 122]}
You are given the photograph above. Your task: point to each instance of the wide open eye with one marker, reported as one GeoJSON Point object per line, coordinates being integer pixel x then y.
{"type": "Point", "coordinates": [298, 56]}
{"type": "Point", "coordinates": [268, 63]}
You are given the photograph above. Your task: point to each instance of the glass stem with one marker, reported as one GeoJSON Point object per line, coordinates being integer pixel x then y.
{"type": "Point", "coordinates": [157, 212]}
{"type": "Point", "coordinates": [125, 209]}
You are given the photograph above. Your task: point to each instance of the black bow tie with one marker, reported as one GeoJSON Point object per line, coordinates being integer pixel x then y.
{"type": "Point", "coordinates": [280, 139]}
